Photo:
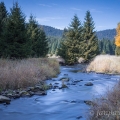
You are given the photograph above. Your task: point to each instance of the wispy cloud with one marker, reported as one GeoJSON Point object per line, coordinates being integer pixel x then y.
{"type": "Point", "coordinates": [45, 19]}
{"type": "Point", "coordinates": [100, 26]}
{"type": "Point", "coordinates": [45, 5]}
{"type": "Point", "coordinates": [73, 8]}
{"type": "Point", "coordinates": [94, 10]}
{"type": "Point", "coordinates": [54, 4]}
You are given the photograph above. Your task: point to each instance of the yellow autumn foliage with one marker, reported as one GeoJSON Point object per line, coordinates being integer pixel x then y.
{"type": "Point", "coordinates": [117, 41]}
{"type": "Point", "coordinates": [117, 38]}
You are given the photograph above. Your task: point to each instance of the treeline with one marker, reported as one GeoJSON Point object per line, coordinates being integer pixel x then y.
{"type": "Point", "coordinates": [19, 39]}
{"type": "Point", "coordinates": [105, 40]}
{"type": "Point", "coordinates": [53, 43]}
{"type": "Point", "coordinates": [106, 34]}
{"type": "Point", "coordinates": [107, 46]}
{"type": "Point", "coordinates": [79, 40]}
{"type": "Point", "coordinates": [50, 31]}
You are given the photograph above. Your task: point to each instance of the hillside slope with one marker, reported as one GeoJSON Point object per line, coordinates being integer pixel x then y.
{"type": "Point", "coordinates": [51, 31]}
{"type": "Point", "coordinates": [107, 34]}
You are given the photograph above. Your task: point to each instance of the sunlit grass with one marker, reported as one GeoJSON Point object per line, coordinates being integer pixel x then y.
{"type": "Point", "coordinates": [105, 64]}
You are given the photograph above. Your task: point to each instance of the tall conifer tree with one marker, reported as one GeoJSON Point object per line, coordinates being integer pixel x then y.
{"type": "Point", "coordinates": [16, 34]}
{"type": "Point", "coordinates": [70, 47]}
{"type": "Point", "coordinates": [37, 37]}
{"type": "Point", "coordinates": [42, 44]}
{"type": "Point", "coordinates": [3, 19]}
{"type": "Point", "coordinates": [90, 39]}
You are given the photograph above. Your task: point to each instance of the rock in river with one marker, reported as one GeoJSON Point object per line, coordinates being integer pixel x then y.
{"type": "Point", "coordinates": [64, 79]}
{"type": "Point", "coordinates": [88, 102]}
{"type": "Point", "coordinates": [89, 84]}
{"type": "Point", "coordinates": [4, 99]}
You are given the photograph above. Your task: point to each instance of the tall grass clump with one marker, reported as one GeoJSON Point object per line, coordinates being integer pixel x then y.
{"type": "Point", "coordinates": [16, 74]}
{"type": "Point", "coordinates": [108, 106]}
{"type": "Point", "coordinates": [105, 64]}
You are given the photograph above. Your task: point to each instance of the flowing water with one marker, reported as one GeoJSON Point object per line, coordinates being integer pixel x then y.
{"type": "Point", "coordinates": [61, 104]}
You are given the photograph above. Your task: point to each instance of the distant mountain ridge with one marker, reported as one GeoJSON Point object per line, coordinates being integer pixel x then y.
{"type": "Point", "coordinates": [106, 34]}
{"type": "Point", "coordinates": [51, 31]}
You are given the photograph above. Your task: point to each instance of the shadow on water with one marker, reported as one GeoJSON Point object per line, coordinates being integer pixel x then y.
{"type": "Point", "coordinates": [61, 104]}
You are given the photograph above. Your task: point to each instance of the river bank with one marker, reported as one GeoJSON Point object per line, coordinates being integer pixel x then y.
{"type": "Point", "coordinates": [25, 77]}
{"type": "Point", "coordinates": [61, 104]}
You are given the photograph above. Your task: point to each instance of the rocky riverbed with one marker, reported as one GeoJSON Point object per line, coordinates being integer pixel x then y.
{"type": "Point", "coordinates": [67, 97]}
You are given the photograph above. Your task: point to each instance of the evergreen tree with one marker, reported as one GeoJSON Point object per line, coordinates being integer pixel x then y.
{"type": "Point", "coordinates": [33, 33]}
{"type": "Point", "coordinates": [112, 48]}
{"type": "Point", "coordinates": [106, 46]}
{"type": "Point", "coordinates": [70, 48]}
{"type": "Point", "coordinates": [41, 44]}
{"type": "Point", "coordinates": [90, 39]}
{"type": "Point", "coordinates": [53, 43]}
{"type": "Point", "coordinates": [3, 18]}
{"type": "Point", "coordinates": [37, 37]}
{"type": "Point", "coordinates": [117, 40]}
{"type": "Point", "coordinates": [16, 34]}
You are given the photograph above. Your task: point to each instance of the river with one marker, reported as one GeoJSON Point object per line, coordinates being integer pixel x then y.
{"type": "Point", "coordinates": [61, 104]}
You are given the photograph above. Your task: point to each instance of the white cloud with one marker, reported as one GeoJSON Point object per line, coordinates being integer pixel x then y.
{"type": "Point", "coordinates": [76, 9]}
{"type": "Point", "coordinates": [44, 5]}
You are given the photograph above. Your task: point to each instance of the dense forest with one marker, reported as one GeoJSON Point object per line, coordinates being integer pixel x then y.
{"type": "Point", "coordinates": [105, 37]}
{"type": "Point", "coordinates": [79, 41]}
{"type": "Point", "coordinates": [106, 34]}
{"type": "Point", "coordinates": [50, 31]}
{"type": "Point", "coordinates": [19, 39]}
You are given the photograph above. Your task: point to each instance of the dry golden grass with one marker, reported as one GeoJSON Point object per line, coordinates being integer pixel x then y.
{"type": "Point", "coordinates": [107, 107]}
{"type": "Point", "coordinates": [105, 64]}
{"type": "Point", "coordinates": [28, 72]}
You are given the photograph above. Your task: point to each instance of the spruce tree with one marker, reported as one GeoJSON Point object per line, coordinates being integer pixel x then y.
{"type": "Point", "coordinates": [90, 39]}
{"type": "Point", "coordinates": [42, 44]}
{"type": "Point", "coordinates": [33, 33]}
{"type": "Point", "coordinates": [16, 35]}
{"type": "Point", "coordinates": [38, 38]}
{"type": "Point", "coordinates": [70, 48]}
{"type": "Point", "coordinates": [3, 16]}
{"type": "Point", "coordinates": [3, 19]}
{"type": "Point", "coordinates": [117, 40]}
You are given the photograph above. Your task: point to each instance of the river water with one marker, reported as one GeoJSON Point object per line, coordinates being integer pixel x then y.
{"type": "Point", "coordinates": [61, 104]}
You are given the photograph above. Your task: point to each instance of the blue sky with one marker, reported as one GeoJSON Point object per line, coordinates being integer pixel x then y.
{"type": "Point", "coordinates": [59, 13]}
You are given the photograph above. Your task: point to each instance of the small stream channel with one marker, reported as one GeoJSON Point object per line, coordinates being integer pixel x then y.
{"type": "Point", "coordinates": [61, 104]}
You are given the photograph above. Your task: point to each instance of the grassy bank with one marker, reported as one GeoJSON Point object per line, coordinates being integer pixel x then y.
{"type": "Point", "coordinates": [28, 72]}
{"type": "Point", "coordinates": [105, 64]}
{"type": "Point", "coordinates": [107, 107]}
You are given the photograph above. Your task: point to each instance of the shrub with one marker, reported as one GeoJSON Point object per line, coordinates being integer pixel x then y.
{"type": "Point", "coordinates": [107, 107]}
{"type": "Point", "coordinates": [28, 72]}
{"type": "Point", "coordinates": [105, 64]}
